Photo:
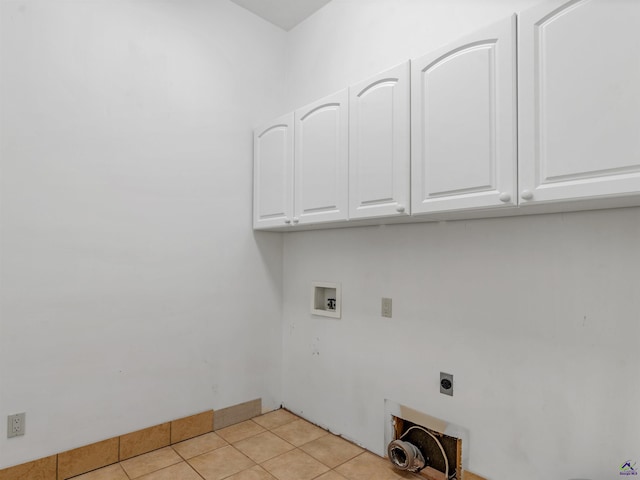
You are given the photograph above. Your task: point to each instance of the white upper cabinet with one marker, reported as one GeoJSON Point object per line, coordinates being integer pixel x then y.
{"type": "Point", "coordinates": [579, 100]}
{"type": "Point", "coordinates": [273, 173]}
{"type": "Point", "coordinates": [463, 123]}
{"type": "Point", "coordinates": [321, 160]}
{"type": "Point", "coordinates": [449, 135]}
{"type": "Point", "coordinates": [379, 150]}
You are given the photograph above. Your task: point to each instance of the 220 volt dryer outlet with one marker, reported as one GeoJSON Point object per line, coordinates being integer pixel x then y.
{"type": "Point", "coordinates": [446, 383]}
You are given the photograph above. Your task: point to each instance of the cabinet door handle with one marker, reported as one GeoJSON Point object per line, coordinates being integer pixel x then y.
{"type": "Point", "coordinates": [400, 209]}
{"type": "Point", "coordinates": [526, 194]}
{"type": "Point", "coordinates": [505, 197]}
{"type": "Point", "coordinates": [287, 221]}
{"type": "Point", "coordinates": [295, 220]}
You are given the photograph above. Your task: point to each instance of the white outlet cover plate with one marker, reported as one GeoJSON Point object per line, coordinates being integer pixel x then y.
{"type": "Point", "coordinates": [12, 420]}
{"type": "Point", "coordinates": [386, 309]}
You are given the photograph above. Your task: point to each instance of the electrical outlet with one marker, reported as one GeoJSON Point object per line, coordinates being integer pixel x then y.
{"type": "Point", "coordinates": [386, 307]}
{"type": "Point", "coordinates": [446, 383]}
{"type": "Point", "coordinates": [15, 425]}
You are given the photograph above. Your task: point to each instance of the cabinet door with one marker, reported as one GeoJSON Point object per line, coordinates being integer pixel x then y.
{"type": "Point", "coordinates": [379, 145]}
{"type": "Point", "coordinates": [321, 160]}
{"type": "Point", "coordinates": [579, 105]}
{"type": "Point", "coordinates": [273, 173]}
{"type": "Point", "coordinates": [463, 123]}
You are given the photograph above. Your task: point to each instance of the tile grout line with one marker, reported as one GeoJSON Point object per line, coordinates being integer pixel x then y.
{"type": "Point", "coordinates": [119, 457]}
{"type": "Point", "coordinates": [178, 453]}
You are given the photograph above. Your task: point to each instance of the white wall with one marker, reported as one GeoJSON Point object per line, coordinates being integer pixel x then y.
{"type": "Point", "coordinates": [133, 288]}
{"type": "Point", "coordinates": [537, 317]}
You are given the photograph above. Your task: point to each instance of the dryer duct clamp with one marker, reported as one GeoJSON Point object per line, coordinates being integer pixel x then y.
{"type": "Point", "coordinates": [405, 456]}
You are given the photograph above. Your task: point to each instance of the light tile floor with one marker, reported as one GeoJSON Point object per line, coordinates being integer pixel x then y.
{"type": "Point", "coordinates": [274, 446]}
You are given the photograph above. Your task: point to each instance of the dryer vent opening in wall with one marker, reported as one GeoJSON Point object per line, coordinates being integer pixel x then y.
{"type": "Point", "coordinates": [442, 453]}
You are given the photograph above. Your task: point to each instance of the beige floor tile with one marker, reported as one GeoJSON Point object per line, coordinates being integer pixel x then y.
{"type": "Point", "coordinates": [221, 463]}
{"type": "Point", "coordinates": [332, 475]}
{"type": "Point", "coordinates": [368, 466]}
{"type": "Point", "coordinates": [199, 445]}
{"type": "Point", "coordinates": [179, 471]}
{"type": "Point", "coordinates": [275, 419]}
{"type": "Point", "coordinates": [150, 462]}
{"type": "Point", "coordinates": [331, 450]}
{"type": "Point", "coordinates": [294, 465]}
{"type": "Point", "coordinates": [240, 431]}
{"type": "Point", "coordinates": [112, 472]}
{"type": "Point", "coordinates": [299, 432]}
{"type": "Point", "coordinates": [263, 446]}
{"type": "Point", "coordinates": [254, 473]}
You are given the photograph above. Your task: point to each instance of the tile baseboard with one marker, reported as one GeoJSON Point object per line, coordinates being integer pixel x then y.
{"type": "Point", "coordinates": [191, 426]}
{"type": "Point", "coordinates": [145, 440]}
{"type": "Point", "coordinates": [90, 457]}
{"type": "Point", "coordinates": [43, 469]}
{"type": "Point", "coordinates": [226, 417]}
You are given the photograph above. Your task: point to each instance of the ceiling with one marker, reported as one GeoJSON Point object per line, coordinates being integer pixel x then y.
{"type": "Point", "coordinates": [286, 14]}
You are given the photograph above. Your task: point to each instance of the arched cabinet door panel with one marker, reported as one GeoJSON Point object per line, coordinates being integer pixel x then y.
{"type": "Point", "coordinates": [321, 160]}
{"type": "Point", "coordinates": [463, 123]}
{"type": "Point", "coordinates": [579, 100]}
{"type": "Point", "coordinates": [379, 149]}
{"type": "Point", "coordinates": [273, 173]}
